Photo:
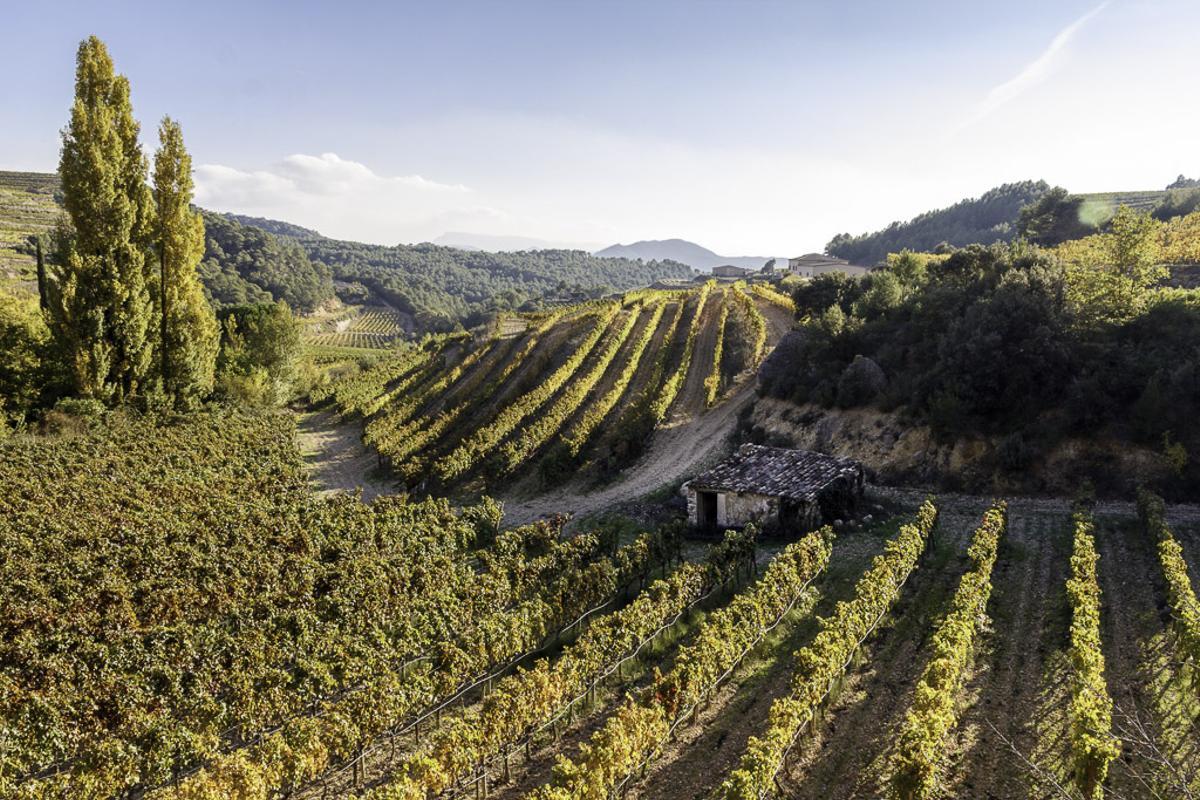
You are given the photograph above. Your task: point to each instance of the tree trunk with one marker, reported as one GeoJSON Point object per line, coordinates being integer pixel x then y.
{"type": "Point", "coordinates": [43, 301]}
{"type": "Point", "coordinates": [162, 288]}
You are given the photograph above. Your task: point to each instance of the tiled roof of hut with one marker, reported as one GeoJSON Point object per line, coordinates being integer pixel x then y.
{"type": "Point", "coordinates": [776, 471]}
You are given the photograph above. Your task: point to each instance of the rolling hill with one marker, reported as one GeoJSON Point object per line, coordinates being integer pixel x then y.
{"type": "Point", "coordinates": [274, 226]}
{"type": "Point", "coordinates": [251, 259]}
{"type": "Point", "coordinates": [991, 217]}
{"type": "Point", "coordinates": [680, 250]}
{"type": "Point", "coordinates": [543, 395]}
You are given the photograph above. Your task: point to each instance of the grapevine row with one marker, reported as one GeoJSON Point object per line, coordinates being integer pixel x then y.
{"type": "Point", "coordinates": [1093, 745]}
{"type": "Point", "coordinates": [774, 297]}
{"type": "Point", "coordinates": [528, 701]}
{"type": "Point", "coordinates": [399, 443]}
{"type": "Point", "coordinates": [917, 761]}
{"type": "Point", "coordinates": [1185, 608]}
{"type": "Point", "coordinates": [712, 383]}
{"type": "Point", "coordinates": [381, 428]}
{"type": "Point", "coordinates": [360, 393]}
{"type": "Point", "coordinates": [666, 395]}
{"type": "Point", "coordinates": [639, 728]}
{"type": "Point", "coordinates": [583, 428]}
{"type": "Point", "coordinates": [758, 323]}
{"type": "Point", "coordinates": [467, 453]}
{"type": "Point", "coordinates": [269, 599]}
{"type": "Point", "coordinates": [821, 665]}
{"type": "Point", "coordinates": [664, 351]}
{"type": "Point", "coordinates": [398, 699]}
{"type": "Point", "coordinates": [539, 431]}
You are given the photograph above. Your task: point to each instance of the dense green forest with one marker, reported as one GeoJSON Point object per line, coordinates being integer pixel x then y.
{"type": "Point", "coordinates": [986, 219]}
{"type": "Point", "coordinates": [244, 264]}
{"type": "Point", "coordinates": [1029, 209]}
{"type": "Point", "coordinates": [442, 286]}
{"type": "Point", "coordinates": [275, 226]}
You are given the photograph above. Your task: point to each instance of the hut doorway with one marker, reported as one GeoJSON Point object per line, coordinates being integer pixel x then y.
{"type": "Point", "coordinates": [706, 511]}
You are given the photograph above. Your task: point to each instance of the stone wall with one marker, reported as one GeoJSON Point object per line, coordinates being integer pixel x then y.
{"type": "Point", "coordinates": [735, 509]}
{"type": "Point", "coordinates": [746, 507]}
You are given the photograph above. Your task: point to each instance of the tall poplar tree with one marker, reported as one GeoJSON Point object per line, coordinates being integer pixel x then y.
{"type": "Point", "coordinates": [189, 335]}
{"type": "Point", "coordinates": [101, 298]}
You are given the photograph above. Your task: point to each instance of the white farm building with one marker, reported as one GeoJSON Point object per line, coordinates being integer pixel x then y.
{"type": "Point", "coordinates": [814, 264]}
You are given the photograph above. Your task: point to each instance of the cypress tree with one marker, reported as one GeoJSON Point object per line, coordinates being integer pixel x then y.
{"type": "Point", "coordinates": [43, 303]}
{"type": "Point", "coordinates": [102, 307]}
{"type": "Point", "coordinates": [189, 334]}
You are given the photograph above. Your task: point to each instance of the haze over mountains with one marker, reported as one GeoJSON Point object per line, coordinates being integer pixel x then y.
{"type": "Point", "coordinates": [680, 250]}
{"type": "Point", "coordinates": [499, 243]}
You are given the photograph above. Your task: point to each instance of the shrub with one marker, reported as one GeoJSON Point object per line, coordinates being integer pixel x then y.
{"type": "Point", "coordinates": [860, 383]}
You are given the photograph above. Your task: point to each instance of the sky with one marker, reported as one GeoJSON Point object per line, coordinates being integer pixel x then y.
{"type": "Point", "coordinates": [757, 127]}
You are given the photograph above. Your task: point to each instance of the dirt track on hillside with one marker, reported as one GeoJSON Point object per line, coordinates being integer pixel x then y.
{"type": "Point", "coordinates": [336, 458]}
{"type": "Point", "coordinates": [677, 452]}
{"type": "Point", "coordinates": [688, 444]}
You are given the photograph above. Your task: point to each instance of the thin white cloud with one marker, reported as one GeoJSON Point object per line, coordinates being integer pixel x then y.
{"type": "Point", "coordinates": [341, 198]}
{"type": "Point", "coordinates": [1033, 73]}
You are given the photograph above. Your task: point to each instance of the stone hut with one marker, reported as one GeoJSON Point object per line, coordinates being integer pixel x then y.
{"type": "Point", "coordinates": [797, 490]}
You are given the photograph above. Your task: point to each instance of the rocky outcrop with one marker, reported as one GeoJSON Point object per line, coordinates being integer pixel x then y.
{"type": "Point", "coordinates": [899, 451]}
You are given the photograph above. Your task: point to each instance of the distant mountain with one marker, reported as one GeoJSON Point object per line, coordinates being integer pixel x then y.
{"type": "Point", "coordinates": [275, 226]}
{"type": "Point", "coordinates": [680, 250]}
{"type": "Point", "coordinates": [504, 244]}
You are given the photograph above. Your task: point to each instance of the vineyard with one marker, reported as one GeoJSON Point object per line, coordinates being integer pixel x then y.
{"type": "Point", "coordinates": [494, 511]}
{"type": "Point", "coordinates": [258, 641]}
{"type": "Point", "coordinates": [356, 328]}
{"type": "Point", "coordinates": [27, 207]}
{"type": "Point", "coordinates": [577, 387]}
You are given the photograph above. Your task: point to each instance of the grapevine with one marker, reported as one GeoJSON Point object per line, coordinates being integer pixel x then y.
{"type": "Point", "coordinates": [712, 383]}
{"type": "Point", "coordinates": [1092, 742]}
{"type": "Point", "coordinates": [823, 663]}
{"type": "Point", "coordinates": [917, 761]}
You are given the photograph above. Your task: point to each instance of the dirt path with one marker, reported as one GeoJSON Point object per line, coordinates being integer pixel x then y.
{"type": "Point", "coordinates": [336, 458]}
{"type": "Point", "coordinates": [677, 453]}
{"type": "Point", "coordinates": [680, 449]}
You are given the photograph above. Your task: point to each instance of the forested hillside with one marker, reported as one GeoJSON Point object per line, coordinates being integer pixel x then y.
{"type": "Point", "coordinates": [1022, 346]}
{"type": "Point", "coordinates": [442, 286]}
{"type": "Point", "coordinates": [1029, 209]}
{"type": "Point", "coordinates": [277, 227]}
{"type": "Point", "coordinates": [244, 264]}
{"type": "Point", "coordinates": [986, 219]}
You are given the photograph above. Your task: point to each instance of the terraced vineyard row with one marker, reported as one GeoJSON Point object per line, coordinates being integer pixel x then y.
{"type": "Point", "coordinates": [455, 411]}
{"type": "Point", "coordinates": [27, 207]}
